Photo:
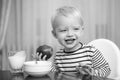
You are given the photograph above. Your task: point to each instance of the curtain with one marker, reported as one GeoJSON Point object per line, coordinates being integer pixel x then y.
{"type": "Point", "coordinates": [4, 18]}
{"type": "Point", "coordinates": [29, 24]}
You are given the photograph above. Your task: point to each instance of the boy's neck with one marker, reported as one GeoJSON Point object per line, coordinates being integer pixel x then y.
{"type": "Point", "coordinates": [74, 49]}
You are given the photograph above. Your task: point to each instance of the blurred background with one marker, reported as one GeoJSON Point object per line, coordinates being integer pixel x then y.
{"type": "Point", "coordinates": [25, 24]}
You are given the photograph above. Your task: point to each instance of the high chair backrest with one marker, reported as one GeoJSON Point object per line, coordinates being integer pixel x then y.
{"type": "Point", "coordinates": [111, 54]}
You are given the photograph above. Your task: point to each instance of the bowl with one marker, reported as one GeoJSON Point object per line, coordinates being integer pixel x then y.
{"type": "Point", "coordinates": [46, 77]}
{"type": "Point", "coordinates": [37, 69]}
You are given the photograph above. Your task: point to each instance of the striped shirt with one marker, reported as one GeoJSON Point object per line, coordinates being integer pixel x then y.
{"type": "Point", "coordinates": [67, 61]}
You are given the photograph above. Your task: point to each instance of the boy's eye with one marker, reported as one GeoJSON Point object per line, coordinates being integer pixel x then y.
{"type": "Point", "coordinates": [76, 28]}
{"type": "Point", "coordinates": [63, 30]}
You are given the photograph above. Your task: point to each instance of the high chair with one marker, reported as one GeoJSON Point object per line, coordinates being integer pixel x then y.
{"type": "Point", "coordinates": [111, 53]}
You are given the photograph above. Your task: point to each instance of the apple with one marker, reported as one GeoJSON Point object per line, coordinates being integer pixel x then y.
{"type": "Point", "coordinates": [45, 50]}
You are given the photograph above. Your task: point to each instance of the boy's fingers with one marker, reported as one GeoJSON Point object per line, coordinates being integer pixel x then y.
{"type": "Point", "coordinates": [44, 58]}
{"type": "Point", "coordinates": [88, 68]}
{"type": "Point", "coordinates": [87, 71]}
{"type": "Point", "coordinates": [84, 70]}
{"type": "Point", "coordinates": [37, 54]}
{"type": "Point", "coordinates": [40, 56]}
{"type": "Point", "coordinates": [79, 70]}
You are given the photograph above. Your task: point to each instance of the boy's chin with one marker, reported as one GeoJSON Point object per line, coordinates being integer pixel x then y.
{"type": "Point", "coordinates": [70, 47]}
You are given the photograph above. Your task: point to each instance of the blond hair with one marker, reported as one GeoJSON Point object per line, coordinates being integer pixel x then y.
{"type": "Point", "coordinates": [67, 11]}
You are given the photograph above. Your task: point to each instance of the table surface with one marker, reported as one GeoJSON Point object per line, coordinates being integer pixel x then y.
{"type": "Point", "coordinates": [6, 75]}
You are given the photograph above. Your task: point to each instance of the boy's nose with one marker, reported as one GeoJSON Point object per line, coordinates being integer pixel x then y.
{"type": "Point", "coordinates": [69, 33]}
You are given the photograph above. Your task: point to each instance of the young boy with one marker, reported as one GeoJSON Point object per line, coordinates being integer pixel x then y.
{"type": "Point", "coordinates": [68, 28]}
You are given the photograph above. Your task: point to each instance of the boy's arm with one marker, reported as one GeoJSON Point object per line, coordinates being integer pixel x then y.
{"type": "Point", "coordinates": [102, 72]}
{"type": "Point", "coordinates": [53, 68]}
{"type": "Point", "coordinates": [54, 65]}
{"type": "Point", "coordinates": [100, 66]}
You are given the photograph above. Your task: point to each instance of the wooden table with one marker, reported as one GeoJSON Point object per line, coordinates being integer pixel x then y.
{"type": "Point", "coordinates": [6, 75]}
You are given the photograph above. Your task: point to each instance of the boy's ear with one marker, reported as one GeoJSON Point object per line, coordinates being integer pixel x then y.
{"type": "Point", "coordinates": [54, 34]}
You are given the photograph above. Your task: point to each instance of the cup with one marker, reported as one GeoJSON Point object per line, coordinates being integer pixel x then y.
{"type": "Point", "coordinates": [16, 61]}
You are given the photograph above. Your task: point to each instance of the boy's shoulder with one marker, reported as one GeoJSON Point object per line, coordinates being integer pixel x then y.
{"type": "Point", "coordinates": [88, 46]}
{"type": "Point", "coordinates": [60, 51]}
{"type": "Point", "coordinates": [85, 45]}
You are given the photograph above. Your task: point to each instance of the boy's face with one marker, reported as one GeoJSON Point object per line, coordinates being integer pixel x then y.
{"type": "Point", "coordinates": [68, 31]}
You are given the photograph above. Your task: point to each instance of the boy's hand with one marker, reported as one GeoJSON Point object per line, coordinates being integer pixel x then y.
{"type": "Point", "coordinates": [38, 57]}
{"type": "Point", "coordinates": [41, 57]}
{"type": "Point", "coordinates": [87, 69]}
{"type": "Point", "coordinates": [44, 52]}
{"type": "Point", "coordinates": [84, 69]}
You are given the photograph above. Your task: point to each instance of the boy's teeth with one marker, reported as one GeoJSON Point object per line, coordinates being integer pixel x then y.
{"type": "Point", "coordinates": [69, 41]}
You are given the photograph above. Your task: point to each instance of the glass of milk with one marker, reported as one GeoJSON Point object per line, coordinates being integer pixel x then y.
{"type": "Point", "coordinates": [16, 60]}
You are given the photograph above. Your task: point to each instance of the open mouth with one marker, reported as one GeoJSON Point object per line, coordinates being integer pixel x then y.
{"type": "Point", "coordinates": [69, 41]}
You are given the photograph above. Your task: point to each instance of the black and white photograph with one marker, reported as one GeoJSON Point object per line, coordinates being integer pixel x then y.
{"type": "Point", "coordinates": [59, 39]}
